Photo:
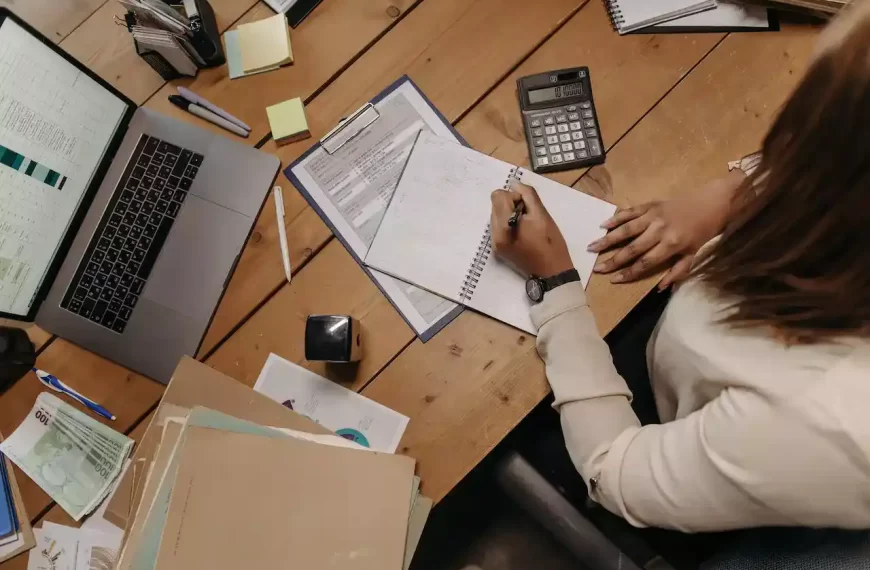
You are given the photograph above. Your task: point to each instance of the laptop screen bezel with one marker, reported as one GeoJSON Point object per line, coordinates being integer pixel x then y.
{"type": "Point", "coordinates": [100, 173]}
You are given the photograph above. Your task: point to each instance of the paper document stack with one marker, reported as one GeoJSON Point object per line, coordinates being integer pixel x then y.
{"type": "Point", "coordinates": [225, 477]}
{"type": "Point", "coordinates": [16, 535]}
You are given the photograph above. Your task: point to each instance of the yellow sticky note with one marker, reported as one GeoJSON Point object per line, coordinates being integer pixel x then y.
{"type": "Point", "coordinates": [287, 121]}
{"type": "Point", "coordinates": [265, 43]}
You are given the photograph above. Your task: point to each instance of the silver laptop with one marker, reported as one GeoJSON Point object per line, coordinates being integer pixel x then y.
{"type": "Point", "coordinates": [119, 227]}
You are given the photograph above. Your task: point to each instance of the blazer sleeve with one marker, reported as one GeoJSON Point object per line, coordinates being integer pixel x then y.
{"type": "Point", "coordinates": [721, 467]}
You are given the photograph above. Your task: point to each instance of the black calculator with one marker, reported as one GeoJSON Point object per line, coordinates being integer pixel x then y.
{"type": "Point", "coordinates": [560, 121]}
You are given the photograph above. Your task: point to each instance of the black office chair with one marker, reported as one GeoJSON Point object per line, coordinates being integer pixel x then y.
{"type": "Point", "coordinates": [756, 549]}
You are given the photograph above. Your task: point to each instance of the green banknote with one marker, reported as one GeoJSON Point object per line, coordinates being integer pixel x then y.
{"type": "Point", "coordinates": [74, 458]}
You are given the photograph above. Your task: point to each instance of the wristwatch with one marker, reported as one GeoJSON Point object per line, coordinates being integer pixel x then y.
{"type": "Point", "coordinates": [536, 286]}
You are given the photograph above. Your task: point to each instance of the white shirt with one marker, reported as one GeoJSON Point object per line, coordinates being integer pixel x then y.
{"type": "Point", "coordinates": [755, 432]}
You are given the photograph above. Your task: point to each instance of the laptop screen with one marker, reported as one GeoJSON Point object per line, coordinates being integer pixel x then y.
{"type": "Point", "coordinates": [56, 126]}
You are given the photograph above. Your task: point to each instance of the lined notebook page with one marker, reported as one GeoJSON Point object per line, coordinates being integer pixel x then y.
{"type": "Point", "coordinates": [440, 211]}
{"type": "Point", "coordinates": [502, 291]}
{"type": "Point", "coordinates": [437, 216]}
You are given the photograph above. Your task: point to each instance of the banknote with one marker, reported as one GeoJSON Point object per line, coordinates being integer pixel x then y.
{"type": "Point", "coordinates": [74, 458]}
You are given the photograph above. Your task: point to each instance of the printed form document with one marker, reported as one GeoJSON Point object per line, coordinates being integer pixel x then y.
{"type": "Point", "coordinates": [352, 187]}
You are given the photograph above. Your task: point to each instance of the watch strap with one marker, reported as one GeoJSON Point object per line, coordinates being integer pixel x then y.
{"type": "Point", "coordinates": [569, 276]}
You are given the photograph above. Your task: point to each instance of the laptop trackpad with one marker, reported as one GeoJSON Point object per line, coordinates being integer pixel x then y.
{"type": "Point", "coordinates": [192, 268]}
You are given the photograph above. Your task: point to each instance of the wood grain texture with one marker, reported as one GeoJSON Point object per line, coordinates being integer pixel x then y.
{"type": "Point", "coordinates": [333, 283]}
{"type": "Point", "coordinates": [107, 49]}
{"type": "Point", "coordinates": [125, 394]}
{"type": "Point", "coordinates": [325, 42]}
{"type": "Point", "coordinates": [54, 18]}
{"type": "Point", "coordinates": [719, 111]}
{"type": "Point", "coordinates": [454, 50]}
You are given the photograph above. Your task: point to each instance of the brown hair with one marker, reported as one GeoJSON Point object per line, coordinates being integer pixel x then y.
{"type": "Point", "coordinates": [796, 256]}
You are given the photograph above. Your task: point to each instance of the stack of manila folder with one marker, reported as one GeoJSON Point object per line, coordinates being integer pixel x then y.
{"type": "Point", "coordinates": [226, 478]}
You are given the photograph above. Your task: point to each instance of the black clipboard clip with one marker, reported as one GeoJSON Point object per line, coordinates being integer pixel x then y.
{"type": "Point", "coordinates": [349, 127]}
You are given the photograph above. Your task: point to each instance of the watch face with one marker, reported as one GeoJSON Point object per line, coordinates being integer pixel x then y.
{"type": "Point", "coordinates": [534, 290]}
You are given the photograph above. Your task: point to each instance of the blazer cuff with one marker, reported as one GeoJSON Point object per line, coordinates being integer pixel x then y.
{"type": "Point", "coordinates": [560, 300]}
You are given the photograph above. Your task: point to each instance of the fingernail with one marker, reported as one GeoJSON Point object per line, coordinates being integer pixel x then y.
{"type": "Point", "coordinates": [605, 224]}
{"type": "Point", "coordinates": [592, 248]}
{"type": "Point", "coordinates": [598, 267]}
{"type": "Point", "coordinates": [618, 278]}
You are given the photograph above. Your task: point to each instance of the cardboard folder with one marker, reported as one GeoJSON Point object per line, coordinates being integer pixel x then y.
{"type": "Point", "coordinates": [304, 505]}
{"type": "Point", "coordinates": [195, 384]}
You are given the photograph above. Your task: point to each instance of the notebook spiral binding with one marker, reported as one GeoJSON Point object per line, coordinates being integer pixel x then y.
{"type": "Point", "coordinates": [484, 250]}
{"type": "Point", "coordinates": [615, 13]}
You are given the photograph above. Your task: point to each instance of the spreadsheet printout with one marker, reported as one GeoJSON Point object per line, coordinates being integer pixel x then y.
{"type": "Point", "coordinates": [55, 126]}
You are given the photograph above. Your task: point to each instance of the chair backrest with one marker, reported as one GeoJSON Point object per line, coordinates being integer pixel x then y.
{"type": "Point", "coordinates": [794, 549]}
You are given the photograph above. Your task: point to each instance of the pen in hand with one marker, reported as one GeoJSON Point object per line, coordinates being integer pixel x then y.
{"type": "Point", "coordinates": [519, 210]}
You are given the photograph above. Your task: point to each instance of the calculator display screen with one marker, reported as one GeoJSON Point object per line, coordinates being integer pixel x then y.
{"type": "Point", "coordinates": [555, 93]}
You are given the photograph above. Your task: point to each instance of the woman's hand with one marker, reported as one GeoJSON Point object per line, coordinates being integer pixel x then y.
{"type": "Point", "coordinates": [657, 235]}
{"type": "Point", "coordinates": [535, 246]}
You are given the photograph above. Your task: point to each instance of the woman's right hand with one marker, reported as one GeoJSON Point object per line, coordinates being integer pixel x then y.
{"type": "Point", "coordinates": [656, 235]}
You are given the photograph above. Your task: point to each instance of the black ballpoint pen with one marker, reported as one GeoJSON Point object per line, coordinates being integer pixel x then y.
{"type": "Point", "coordinates": [519, 210]}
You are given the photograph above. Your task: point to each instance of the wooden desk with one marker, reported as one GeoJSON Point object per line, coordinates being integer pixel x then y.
{"type": "Point", "coordinates": [674, 110]}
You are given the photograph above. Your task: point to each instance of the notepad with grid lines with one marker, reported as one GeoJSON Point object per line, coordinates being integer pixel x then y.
{"type": "Point", "coordinates": [435, 232]}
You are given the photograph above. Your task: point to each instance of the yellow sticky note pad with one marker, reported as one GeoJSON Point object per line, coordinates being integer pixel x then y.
{"type": "Point", "coordinates": [265, 43]}
{"type": "Point", "coordinates": [287, 121]}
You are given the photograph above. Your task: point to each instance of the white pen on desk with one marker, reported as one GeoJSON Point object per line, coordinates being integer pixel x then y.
{"type": "Point", "coordinates": [58, 386]}
{"type": "Point", "coordinates": [282, 232]}
{"type": "Point", "coordinates": [202, 102]}
{"type": "Point", "coordinates": [204, 113]}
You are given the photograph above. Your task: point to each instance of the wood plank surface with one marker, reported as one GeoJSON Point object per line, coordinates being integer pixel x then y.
{"type": "Point", "coordinates": [469, 386]}
{"type": "Point", "coordinates": [54, 18]}
{"type": "Point", "coordinates": [336, 33]}
{"type": "Point", "coordinates": [454, 50]}
{"type": "Point", "coordinates": [107, 49]}
{"type": "Point", "coordinates": [129, 395]}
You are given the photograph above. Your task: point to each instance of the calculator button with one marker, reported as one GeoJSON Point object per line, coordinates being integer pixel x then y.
{"type": "Point", "coordinates": [566, 147]}
{"type": "Point", "coordinates": [536, 123]}
{"type": "Point", "coordinates": [549, 121]}
{"type": "Point", "coordinates": [554, 148]}
{"type": "Point", "coordinates": [573, 117]}
{"type": "Point", "coordinates": [577, 135]}
{"type": "Point", "coordinates": [556, 158]}
{"type": "Point", "coordinates": [587, 114]}
{"type": "Point", "coordinates": [589, 123]}
{"type": "Point", "coordinates": [541, 151]}
{"type": "Point", "coordinates": [568, 156]}
{"type": "Point", "coordinates": [582, 154]}
{"type": "Point", "coordinates": [562, 128]}
{"type": "Point", "coordinates": [564, 137]}
{"type": "Point", "coordinates": [552, 139]}
{"type": "Point", "coordinates": [579, 145]}
{"type": "Point", "coordinates": [537, 132]}
{"type": "Point", "coordinates": [550, 130]}
{"type": "Point", "coordinates": [562, 119]}
{"type": "Point", "coordinates": [575, 126]}
{"type": "Point", "coordinates": [572, 108]}
{"type": "Point", "coordinates": [543, 161]}
{"type": "Point", "coordinates": [595, 147]}
{"type": "Point", "coordinates": [591, 133]}
{"type": "Point", "coordinates": [585, 105]}
{"type": "Point", "coordinates": [539, 142]}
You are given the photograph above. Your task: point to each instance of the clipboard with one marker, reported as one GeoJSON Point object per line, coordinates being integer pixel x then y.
{"type": "Point", "coordinates": [346, 131]}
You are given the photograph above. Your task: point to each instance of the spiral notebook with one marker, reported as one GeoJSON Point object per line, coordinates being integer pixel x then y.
{"type": "Point", "coordinates": [630, 15]}
{"type": "Point", "coordinates": [435, 232]}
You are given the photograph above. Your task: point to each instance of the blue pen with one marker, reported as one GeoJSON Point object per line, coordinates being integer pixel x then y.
{"type": "Point", "coordinates": [58, 386]}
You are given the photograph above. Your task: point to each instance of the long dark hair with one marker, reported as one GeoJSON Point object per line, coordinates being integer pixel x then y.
{"type": "Point", "coordinates": [797, 255]}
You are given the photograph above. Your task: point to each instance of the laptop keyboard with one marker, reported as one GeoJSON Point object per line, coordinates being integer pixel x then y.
{"type": "Point", "coordinates": [119, 258]}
